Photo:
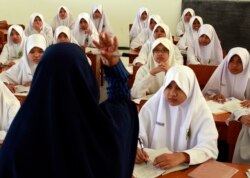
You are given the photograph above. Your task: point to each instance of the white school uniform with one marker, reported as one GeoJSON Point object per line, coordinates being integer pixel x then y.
{"type": "Point", "coordinates": [183, 128]}
{"type": "Point", "coordinates": [23, 72]}
{"type": "Point", "coordinates": [224, 82]}
{"type": "Point", "coordinates": [145, 83]}
{"type": "Point", "coordinates": [183, 26]}
{"type": "Point", "coordinates": [68, 21]}
{"type": "Point", "coordinates": [210, 54]}
{"type": "Point", "coordinates": [11, 50]}
{"type": "Point", "coordinates": [46, 30]}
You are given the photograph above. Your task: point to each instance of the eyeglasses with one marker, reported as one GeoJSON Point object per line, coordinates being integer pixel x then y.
{"type": "Point", "coordinates": [161, 50]}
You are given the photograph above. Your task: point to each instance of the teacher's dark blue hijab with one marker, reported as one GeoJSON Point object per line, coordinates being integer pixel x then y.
{"type": "Point", "coordinates": [62, 132]}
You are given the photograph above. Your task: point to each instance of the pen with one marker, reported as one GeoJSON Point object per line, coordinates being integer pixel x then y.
{"type": "Point", "coordinates": [141, 144]}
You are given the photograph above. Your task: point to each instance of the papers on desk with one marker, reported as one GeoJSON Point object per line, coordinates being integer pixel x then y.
{"type": "Point", "coordinates": [2, 136]}
{"type": "Point", "coordinates": [149, 170]}
{"type": "Point", "coordinates": [22, 90]}
{"type": "Point", "coordinates": [138, 100]}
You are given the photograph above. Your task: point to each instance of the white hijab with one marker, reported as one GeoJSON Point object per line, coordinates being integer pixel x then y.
{"type": "Point", "coordinates": [184, 25]}
{"type": "Point", "coordinates": [30, 29]}
{"type": "Point", "coordinates": [230, 85]}
{"type": "Point", "coordinates": [23, 72]}
{"type": "Point", "coordinates": [66, 31]}
{"type": "Point", "coordinates": [191, 34]}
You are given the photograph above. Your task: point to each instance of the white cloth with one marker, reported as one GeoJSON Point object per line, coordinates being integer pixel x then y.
{"type": "Point", "coordinates": [23, 72]}
{"type": "Point", "coordinates": [11, 50]}
{"type": "Point", "coordinates": [210, 54]}
{"type": "Point", "coordinates": [66, 31]}
{"type": "Point", "coordinates": [103, 24]}
{"type": "Point", "coordinates": [46, 30]}
{"type": "Point", "coordinates": [188, 127]}
{"type": "Point", "coordinates": [183, 26]}
{"type": "Point", "coordinates": [9, 105]}
{"type": "Point", "coordinates": [224, 82]}
{"type": "Point", "coordinates": [145, 83]}
{"type": "Point", "coordinates": [57, 21]}
{"type": "Point", "coordinates": [138, 24]}
{"type": "Point", "coordinates": [85, 39]}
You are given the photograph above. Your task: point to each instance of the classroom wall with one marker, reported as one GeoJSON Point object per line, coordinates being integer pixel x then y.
{"type": "Point", "coordinates": [120, 13]}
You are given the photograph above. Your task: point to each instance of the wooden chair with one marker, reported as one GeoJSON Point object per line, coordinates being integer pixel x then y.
{"type": "Point", "coordinates": [203, 73]}
{"type": "Point", "coordinates": [131, 78]}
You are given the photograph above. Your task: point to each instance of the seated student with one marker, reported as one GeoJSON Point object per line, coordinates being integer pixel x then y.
{"type": "Point", "coordinates": [160, 30]}
{"type": "Point", "coordinates": [100, 20]}
{"type": "Point", "coordinates": [229, 75]}
{"type": "Point", "coordinates": [140, 22]}
{"type": "Point", "coordinates": [37, 25]}
{"type": "Point", "coordinates": [63, 18]}
{"type": "Point", "coordinates": [61, 131]}
{"type": "Point", "coordinates": [191, 34]}
{"type": "Point", "coordinates": [149, 77]}
{"type": "Point", "coordinates": [183, 24]}
{"type": "Point", "coordinates": [145, 34]}
{"type": "Point", "coordinates": [22, 73]}
{"type": "Point", "coordinates": [84, 31]}
{"type": "Point", "coordinates": [206, 49]}
{"type": "Point", "coordinates": [241, 152]}
{"type": "Point", "coordinates": [172, 119]}
{"type": "Point", "coordinates": [13, 49]}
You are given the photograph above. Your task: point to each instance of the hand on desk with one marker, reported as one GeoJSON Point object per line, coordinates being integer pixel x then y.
{"type": "Point", "coordinates": [141, 156]}
{"type": "Point", "coordinates": [220, 98]}
{"type": "Point", "coordinates": [245, 103]}
{"type": "Point", "coordinates": [11, 87]}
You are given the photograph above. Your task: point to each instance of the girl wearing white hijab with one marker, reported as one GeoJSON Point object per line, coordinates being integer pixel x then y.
{"type": "Point", "coordinates": [37, 25]}
{"type": "Point", "coordinates": [229, 75]}
{"type": "Point", "coordinates": [183, 24]}
{"type": "Point", "coordinates": [206, 49]}
{"type": "Point", "coordinates": [149, 77]}
{"type": "Point", "coordinates": [63, 17]}
{"type": "Point", "coordinates": [84, 31]}
{"type": "Point", "coordinates": [172, 119]}
{"type": "Point", "coordinates": [140, 22]}
{"type": "Point", "coordinates": [191, 34]}
{"type": "Point", "coordinates": [13, 49]}
{"type": "Point", "coordinates": [160, 30]}
{"type": "Point", "coordinates": [22, 73]}
{"type": "Point", "coordinates": [100, 20]}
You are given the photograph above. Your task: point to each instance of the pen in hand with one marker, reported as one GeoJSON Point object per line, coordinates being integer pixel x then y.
{"type": "Point", "coordinates": [142, 147]}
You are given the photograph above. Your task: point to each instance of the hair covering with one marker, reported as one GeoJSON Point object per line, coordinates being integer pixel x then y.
{"type": "Point", "coordinates": [22, 72]}
{"type": "Point", "coordinates": [57, 21]}
{"type": "Point", "coordinates": [66, 31]}
{"type": "Point", "coordinates": [185, 127]}
{"type": "Point", "coordinates": [62, 131]}
{"type": "Point", "coordinates": [183, 26]}
{"type": "Point", "coordinates": [223, 81]}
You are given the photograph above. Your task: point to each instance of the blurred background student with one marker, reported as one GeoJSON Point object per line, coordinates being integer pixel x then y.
{"type": "Point", "coordinates": [183, 24]}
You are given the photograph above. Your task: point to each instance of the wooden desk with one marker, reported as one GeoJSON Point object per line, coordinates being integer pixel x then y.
{"type": "Point", "coordinates": [132, 54]}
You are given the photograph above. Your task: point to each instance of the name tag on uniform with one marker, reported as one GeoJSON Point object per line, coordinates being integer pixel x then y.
{"type": "Point", "coordinates": [160, 123]}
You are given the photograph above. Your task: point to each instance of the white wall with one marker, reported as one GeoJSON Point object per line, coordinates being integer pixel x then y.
{"type": "Point", "coordinates": [120, 12]}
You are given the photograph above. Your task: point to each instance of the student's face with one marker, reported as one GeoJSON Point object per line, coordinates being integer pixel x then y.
{"type": "Point", "coordinates": [15, 37]}
{"type": "Point", "coordinates": [35, 55]}
{"type": "Point", "coordinates": [159, 32]}
{"type": "Point", "coordinates": [83, 24]}
{"type": "Point", "coordinates": [62, 37]}
{"type": "Point", "coordinates": [152, 24]}
{"type": "Point", "coordinates": [97, 14]}
{"type": "Point", "coordinates": [160, 54]}
{"type": "Point", "coordinates": [62, 13]}
{"type": "Point", "coordinates": [196, 25]}
{"type": "Point", "coordinates": [144, 16]}
{"type": "Point", "coordinates": [174, 95]}
{"type": "Point", "coordinates": [187, 17]}
{"type": "Point", "coordinates": [204, 40]}
{"type": "Point", "coordinates": [38, 22]}
{"type": "Point", "coordinates": [235, 65]}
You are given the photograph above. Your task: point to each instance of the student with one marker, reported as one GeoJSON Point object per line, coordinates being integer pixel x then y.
{"type": "Point", "coordinates": [229, 75]}
{"type": "Point", "coordinates": [140, 22]}
{"type": "Point", "coordinates": [183, 24]}
{"type": "Point", "coordinates": [63, 17]}
{"type": "Point", "coordinates": [172, 119]}
{"type": "Point", "coordinates": [63, 34]}
{"type": "Point", "coordinates": [61, 129]}
{"type": "Point", "coordinates": [13, 49]}
{"type": "Point", "coordinates": [160, 30]}
{"type": "Point", "coordinates": [149, 77]}
{"type": "Point", "coordinates": [22, 73]}
{"type": "Point", "coordinates": [206, 49]}
{"type": "Point", "coordinates": [84, 31]}
{"type": "Point", "coordinates": [191, 34]}
{"type": "Point", "coordinates": [37, 25]}
{"type": "Point", "coordinates": [100, 20]}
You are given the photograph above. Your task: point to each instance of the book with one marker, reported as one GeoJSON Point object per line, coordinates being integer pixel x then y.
{"type": "Point", "coordinates": [212, 169]}
{"type": "Point", "coordinates": [149, 170]}
{"type": "Point", "coordinates": [22, 90]}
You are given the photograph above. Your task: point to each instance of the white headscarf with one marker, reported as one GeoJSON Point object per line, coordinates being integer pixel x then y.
{"type": "Point", "coordinates": [192, 35]}
{"type": "Point", "coordinates": [187, 127]}
{"type": "Point", "coordinates": [230, 85]}
{"type": "Point", "coordinates": [23, 72]}
{"type": "Point", "coordinates": [183, 26]}
{"type": "Point", "coordinates": [66, 31]}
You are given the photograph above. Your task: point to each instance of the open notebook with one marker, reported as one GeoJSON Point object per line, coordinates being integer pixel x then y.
{"type": "Point", "coordinates": [148, 170]}
{"type": "Point", "coordinates": [22, 90]}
